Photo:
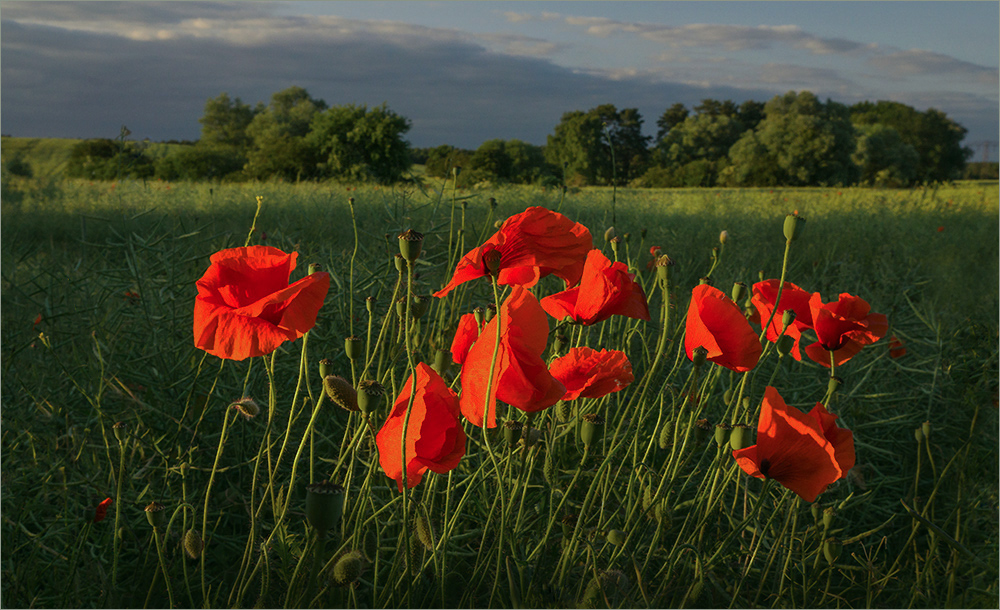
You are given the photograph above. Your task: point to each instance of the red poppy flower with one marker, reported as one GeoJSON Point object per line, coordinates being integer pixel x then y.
{"type": "Point", "coordinates": [531, 245]}
{"type": "Point", "coordinates": [605, 289]}
{"type": "Point", "coordinates": [896, 347]}
{"type": "Point", "coordinates": [520, 377]}
{"type": "Point", "coordinates": [245, 306]}
{"type": "Point", "coordinates": [588, 373]}
{"type": "Point", "coordinates": [805, 453]}
{"type": "Point", "coordinates": [465, 336]}
{"type": "Point", "coordinates": [654, 252]}
{"type": "Point", "coordinates": [38, 320]}
{"type": "Point", "coordinates": [716, 323]}
{"type": "Point", "coordinates": [435, 439]}
{"type": "Point", "coordinates": [102, 510]}
{"type": "Point", "coordinates": [843, 327]}
{"type": "Point", "coordinates": [792, 297]}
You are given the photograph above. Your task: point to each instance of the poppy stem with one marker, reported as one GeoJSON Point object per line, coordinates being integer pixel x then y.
{"type": "Point", "coordinates": [204, 514]}
{"type": "Point", "coordinates": [781, 286]}
{"type": "Point", "coordinates": [405, 482]}
{"type": "Point", "coordinates": [761, 498]}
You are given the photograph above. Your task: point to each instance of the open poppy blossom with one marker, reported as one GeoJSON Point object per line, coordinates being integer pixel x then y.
{"type": "Point", "coordinates": [530, 245]}
{"type": "Point", "coordinates": [102, 510]}
{"type": "Point", "coordinates": [792, 297]}
{"type": "Point", "coordinates": [803, 452]}
{"type": "Point", "coordinates": [465, 336]}
{"type": "Point", "coordinates": [520, 377]}
{"type": "Point", "coordinates": [716, 323]}
{"type": "Point", "coordinates": [897, 349]}
{"type": "Point", "coordinates": [843, 327]}
{"type": "Point", "coordinates": [588, 373]}
{"type": "Point", "coordinates": [435, 439]}
{"type": "Point", "coordinates": [245, 306]}
{"type": "Point", "coordinates": [605, 289]}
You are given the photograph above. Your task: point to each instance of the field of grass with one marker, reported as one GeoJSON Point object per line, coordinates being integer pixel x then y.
{"type": "Point", "coordinates": [97, 297]}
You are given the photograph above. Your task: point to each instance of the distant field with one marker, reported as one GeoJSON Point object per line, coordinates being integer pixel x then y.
{"type": "Point", "coordinates": [49, 156]}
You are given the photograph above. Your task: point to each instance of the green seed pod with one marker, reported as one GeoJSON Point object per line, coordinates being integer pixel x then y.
{"type": "Point", "coordinates": [740, 291]}
{"type": "Point", "coordinates": [314, 268]}
{"type": "Point", "coordinates": [409, 244]}
{"type": "Point", "coordinates": [704, 280]}
{"type": "Point", "coordinates": [760, 275]}
{"type": "Point", "coordinates": [370, 304]}
{"type": "Point", "coordinates": [664, 440]}
{"type": "Point", "coordinates": [616, 537]}
{"type": "Point", "coordinates": [615, 242]}
{"type": "Point", "coordinates": [918, 433]}
{"type": "Point", "coordinates": [793, 226]}
{"type": "Point", "coordinates": [420, 304]}
{"type": "Point", "coordinates": [698, 356]}
{"type": "Point", "coordinates": [702, 428]}
{"type": "Point", "coordinates": [564, 410]}
{"type": "Point", "coordinates": [828, 514]}
{"type": "Point", "coordinates": [664, 268]}
{"type": "Point", "coordinates": [348, 568]}
{"type": "Point", "coordinates": [442, 360]}
{"type": "Point", "coordinates": [722, 433]}
{"type": "Point", "coordinates": [591, 429]}
{"type": "Point", "coordinates": [491, 312]}
{"type": "Point", "coordinates": [549, 469]}
{"type": "Point", "coordinates": [787, 318]}
{"type": "Point", "coordinates": [739, 437]}
{"type": "Point", "coordinates": [401, 308]}
{"type": "Point", "coordinates": [193, 544]}
{"type": "Point", "coordinates": [785, 344]}
{"type": "Point", "coordinates": [512, 432]}
{"type": "Point", "coordinates": [340, 391]}
{"type": "Point", "coordinates": [121, 431]}
{"type": "Point", "coordinates": [834, 384]}
{"type": "Point", "coordinates": [817, 512]}
{"type": "Point", "coordinates": [727, 396]}
{"type": "Point", "coordinates": [324, 505]}
{"type": "Point", "coordinates": [399, 262]}
{"type": "Point", "coordinates": [156, 515]}
{"type": "Point", "coordinates": [831, 550]}
{"type": "Point", "coordinates": [354, 347]}
{"type": "Point", "coordinates": [369, 395]}
{"type": "Point", "coordinates": [325, 368]}
{"type": "Point", "coordinates": [926, 429]}
{"type": "Point", "coordinates": [559, 343]}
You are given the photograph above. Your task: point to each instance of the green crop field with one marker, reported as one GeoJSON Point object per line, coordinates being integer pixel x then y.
{"type": "Point", "coordinates": [97, 309]}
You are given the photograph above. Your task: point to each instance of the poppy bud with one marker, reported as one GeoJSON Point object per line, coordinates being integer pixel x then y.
{"type": "Point", "coordinates": [416, 552]}
{"type": "Point", "coordinates": [739, 437]}
{"type": "Point", "coordinates": [401, 308]}
{"type": "Point", "coordinates": [424, 530]}
{"type": "Point", "coordinates": [626, 237]}
{"type": "Point", "coordinates": [314, 267]}
{"type": "Point", "coordinates": [455, 171]}
{"type": "Point", "coordinates": [793, 226]}
{"type": "Point", "coordinates": [715, 253]}
{"type": "Point", "coordinates": [699, 355]}
{"type": "Point", "coordinates": [559, 343]}
{"type": "Point", "coordinates": [614, 244]}
{"type": "Point", "coordinates": [121, 431]}
{"type": "Point", "coordinates": [498, 224]}
{"type": "Point", "coordinates": [420, 304]}
{"type": "Point", "coordinates": [723, 237]}
{"type": "Point", "coordinates": [609, 234]}
{"type": "Point", "coordinates": [739, 291]}
{"type": "Point", "coordinates": [828, 514]}
{"type": "Point", "coordinates": [247, 407]}
{"type": "Point", "coordinates": [400, 263]}
{"type": "Point", "coordinates": [722, 430]}
{"type": "Point", "coordinates": [409, 244]}
{"type": "Point", "coordinates": [369, 394]}
{"type": "Point", "coordinates": [701, 429]}
{"type": "Point", "coordinates": [156, 515]}
{"type": "Point", "coordinates": [193, 544]}
{"type": "Point", "coordinates": [918, 434]}
{"type": "Point", "coordinates": [493, 203]}
{"type": "Point", "coordinates": [664, 264]}
{"type": "Point", "coordinates": [370, 304]}
{"type": "Point", "coordinates": [616, 537]}
{"type": "Point", "coordinates": [727, 396]}
{"type": "Point", "coordinates": [442, 360]}
{"type": "Point", "coordinates": [491, 260]}
{"type": "Point", "coordinates": [926, 429]}
{"type": "Point", "coordinates": [348, 568]}
{"type": "Point", "coordinates": [785, 344]}
{"type": "Point", "coordinates": [340, 391]}
{"type": "Point", "coordinates": [831, 549]}
{"type": "Point", "coordinates": [591, 429]}
{"type": "Point", "coordinates": [704, 280]}
{"type": "Point", "coordinates": [834, 383]}
{"type": "Point", "coordinates": [760, 275]}
{"type": "Point", "coordinates": [354, 347]}
{"type": "Point", "coordinates": [324, 505]}
{"type": "Point", "coordinates": [491, 311]}
{"type": "Point", "coordinates": [512, 432]}
{"type": "Point", "coordinates": [325, 368]}
{"type": "Point", "coordinates": [746, 403]}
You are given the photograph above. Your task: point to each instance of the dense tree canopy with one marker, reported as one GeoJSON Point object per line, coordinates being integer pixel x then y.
{"type": "Point", "coordinates": [355, 143]}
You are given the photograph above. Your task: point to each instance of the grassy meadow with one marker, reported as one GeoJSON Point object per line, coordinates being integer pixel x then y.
{"type": "Point", "coordinates": [97, 296]}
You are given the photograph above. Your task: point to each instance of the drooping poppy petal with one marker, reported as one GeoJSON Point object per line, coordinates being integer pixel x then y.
{"type": "Point", "coordinates": [245, 306]}
{"type": "Point", "coordinates": [588, 373]}
{"type": "Point", "coordinates": [841, 438]}
{"type": "Point", "coordinates": [792, 449]}
{"type": "Point", "coordinates": [897, 349]}
{"type": "Point", "coordinates": [465, 336]}
{"type": "Point", "coordinates": [843, 327]}
{"type": "Point", "coordinates": [793, 298]}
{"type": "Point", "coordinates": [605, 289]}
{"type": "Point", "coordinates": [102, 510]}
{"type": "Point", "coordinates": [520, 377]}
{"type": "Point", "coordinates": [435, 439]}
{"type": "Point", "coordinates": [716, 323]}
{"type": "Point", "coordinates": [535, 243]}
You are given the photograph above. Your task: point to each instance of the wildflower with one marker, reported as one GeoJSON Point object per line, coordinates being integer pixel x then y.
{"type": "Point", "coordinates": [843, 328]}
{"type": "Point", "coordinates": [102, 510]}
{"type": "Point", "coordinates": [605, 289]}
{"type": "Point", "coordinates": [535, 243]}
{"type": "Point", "coordinates": [435, 439]}
{"type": "Point", "coordinates": [793, 299]}
{"type": "Point", "coordinates": [715, 323]}
{"type": "Point", "coordinates": [805, 453]}
{"type": "Point", "coordinates": [245, 306]}
{"type": "Point", "coordinates": [588, 373]}
{"type": "Point", "coordinates": [897, 349]}
{"type": "Point", "coordinates": [520, 377]}
{"type": "Point", "coordinates": [465, 336]}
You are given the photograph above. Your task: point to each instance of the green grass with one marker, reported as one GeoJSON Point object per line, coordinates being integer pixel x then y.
{"type": "Point", "coordinates": [71, 250]}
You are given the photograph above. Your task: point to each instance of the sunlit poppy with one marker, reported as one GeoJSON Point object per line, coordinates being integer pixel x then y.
{"type": "Point", "coordinates": [717, 324]}
{"type": "Point", "coordinates": [843, 327]}
{"type": "Point", "coordinates": [465, 336]}
{"type": "Point", "coordinates": [102, 510]}
{"type": "Point", "coordinates": [588, 373]}
{"type": "Point", "coordinates": [605, 289]}
{"type": "Point", "coordinates": [793, 298]}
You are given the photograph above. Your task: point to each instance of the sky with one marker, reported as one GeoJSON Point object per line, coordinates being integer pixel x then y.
{"type": "Point", "coordinates": [467, 72]}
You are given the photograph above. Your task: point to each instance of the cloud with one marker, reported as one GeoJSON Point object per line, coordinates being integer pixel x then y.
{"type": "Point", "coordinates": [921, 62]}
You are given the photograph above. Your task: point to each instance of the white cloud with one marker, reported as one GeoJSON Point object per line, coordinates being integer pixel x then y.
{"type": "Point", "coordinates": [920, 62]}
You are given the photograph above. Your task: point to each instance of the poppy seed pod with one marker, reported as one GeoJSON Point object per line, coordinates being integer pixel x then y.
{"type": "Point", "coordinates": [121, 431]}
{"type": "Point", "coordinates": [740, 291]}
{"type": "Point", "coordinates": [314, 268]}
{"type": "Point", "coordinates": [480, 315]}
{"type": "Point", "coordinates": [324, 505]}
{"type": "Point", "coordinates": [785, 344]}
{"type": "Point", "coordinates": [722, 433]}
{"type": "Point", "coordinates": [325, 368]}
{"type": "Point", "coordinates": [828, 514]}
{"type": "Point", "coordinates": [401, 308]}
{"type": "Point", "coordinates": [156, 515]}
{"type": "Point", "coordinates": [409, 244]}
{"type": "Point", "coordinates": [787, 318]}
{"type": "Point", "coordinates": [793, 226]}
{"type": "Point", "coordinates": [817, 512]}
{"type": "Point", "coordinates": [702, 427]}
{"type": "Point", "coordinates": [370, 304]}
{"type": "Point", "coordinates": [424, 530]}
{"type": "Point", "coordinates": [420, 305]}
{"type": "Point", "coordinates": [591, 429]}
{"type": "Point", "coordinates": [348, 568]}
{"type": "Point", "coordinates": [834, 384]}
{"type": "Point", "coordinates": [369, 394]}
{"type": "Point", "coordinates": [354, 347]}
{"type": "Point", "coordinates": [918, 434]}
{"type": "Point", "coordinates": [340, 391]}
{"type": "Point", "coordinates": [699, 355]}
{"type": "Point", "coordinates": [704, 280]}
{"type": "Point", "coordinates": [616, 537]}
{"type": "Point", "coordinates": [512, 432]}
{"type": "Point", "coordinates": [739, 436]}
{"type": "Point", "coordinates": [193, 544]}
{"type": "Point", "coordinates": [493, 203]}
{"type": "Point", "coordinates": [442, 360]}
{"type": "Point", "coordinates": [831, 549]}
{"type": "Point", "coordinates": [615, 242]}
{"type": "Point", "coordinates": [664, 265]}
{"type": "Point", "coordinates": [559, 343]}
{"type": "Point", "coordinates": [399, 262]}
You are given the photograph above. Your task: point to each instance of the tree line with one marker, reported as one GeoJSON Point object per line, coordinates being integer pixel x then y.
{"type": "Point", "coordinates": [794, 139]}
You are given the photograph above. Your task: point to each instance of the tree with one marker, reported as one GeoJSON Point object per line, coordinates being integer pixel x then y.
{"type": "Point", "coordinates": [441, 160]}
{"type": "Point", "coordinates": [225, 123]}
{"type": "Point", "coordinates": [883, 158]}
{"type": "Point", "coordinates": [670, 118]}
{"type": "Point", "coordinates": [104, 159]}
{"type": "Point", "coordinates": [357, 143]}
{"type": "Point", "coordinates": [277, 134]}
{"type": "Point", "coordinates": [800, 142]}
{"type": "Point", "coordinates": [584, 144]}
